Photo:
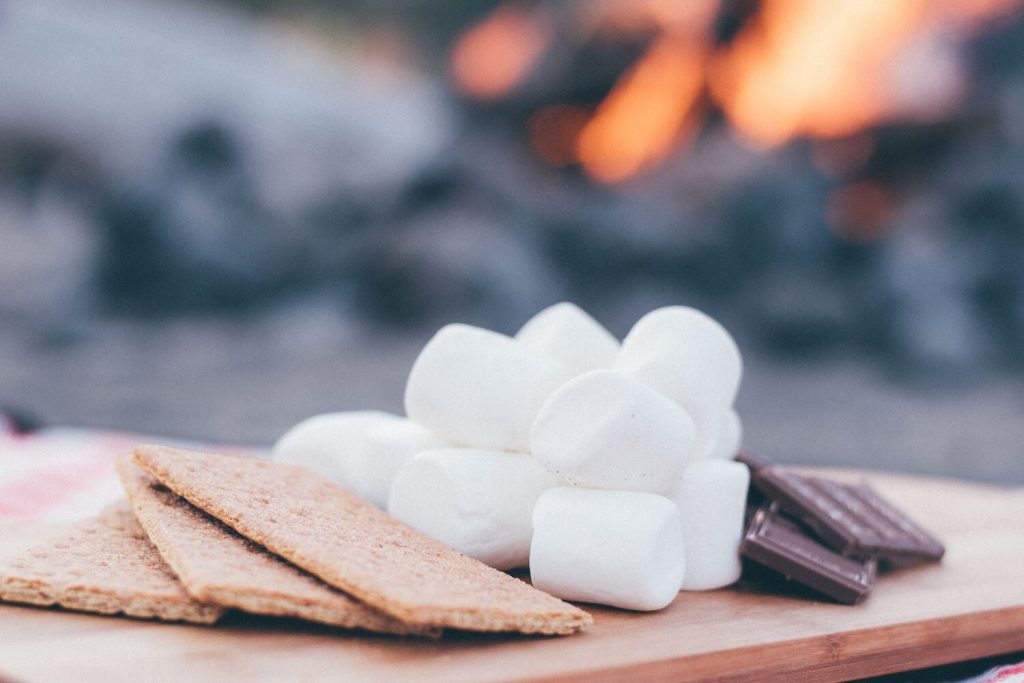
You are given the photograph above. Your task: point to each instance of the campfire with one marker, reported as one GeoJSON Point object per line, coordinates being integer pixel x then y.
{"type": "Point", "coordinates": [777, 71]}
{"type": "Point", "coordinates": [822, 150]}
{"type": "Point", "coordinates": [825, 177]}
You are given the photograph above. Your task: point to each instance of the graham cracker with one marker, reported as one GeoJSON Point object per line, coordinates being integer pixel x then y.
{"type": "Point", "coordinates": [218, 566]}
{"type": "Point", "coordinates": [106, 565]}
{"type": "Point", "coordinates": [354, 546]}
{"type": "Point", "coordinates": [17, 536]}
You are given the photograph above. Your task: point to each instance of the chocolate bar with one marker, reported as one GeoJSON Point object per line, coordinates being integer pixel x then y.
{"type": "Point", "coordinates": [811, 502]}
{"type": "Point", "coordinates": [853, 520]}
{"type": "Point", "coordinates": [779, 544]}
{"type": "Point", "coordinates": [906, 541]}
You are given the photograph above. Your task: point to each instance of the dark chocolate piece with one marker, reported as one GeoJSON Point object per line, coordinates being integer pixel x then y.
{"type": "Point", "coordinates": [813, 503]}
{"type": "Point", "coordinates": [779, 544]}
{"type": "Point", "coordinates": [905, 541]}
{"type": "Point", "coordinates": [852, 519]}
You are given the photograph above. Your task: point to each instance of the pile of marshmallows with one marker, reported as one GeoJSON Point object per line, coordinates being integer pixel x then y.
{"type": "Point", "coordinates": [604, 467]}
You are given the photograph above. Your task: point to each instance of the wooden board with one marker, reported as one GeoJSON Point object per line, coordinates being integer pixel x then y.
{"type": "Point", "coordinates": [970, 606]}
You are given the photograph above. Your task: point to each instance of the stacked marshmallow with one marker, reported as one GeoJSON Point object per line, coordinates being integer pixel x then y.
{"type": "Point", "coordinates": [604, 467]}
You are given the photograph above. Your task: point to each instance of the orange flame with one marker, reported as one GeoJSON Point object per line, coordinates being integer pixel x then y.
{"type": "Point", "coordinates": [645, 114]}
{"type": "Point", "coordinates": [494, 56]}
{"type": "Point", "coordinates": [823, 68]}
{"type": "Point", "coordinates": [816, 68]}
{"type": "Point", "coordinates": [693, 16]}
{"type": "Point", "coordinates": [811, 67]}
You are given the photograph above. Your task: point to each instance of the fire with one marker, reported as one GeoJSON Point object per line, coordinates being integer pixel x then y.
{"type": "Point", "coordinates": [806, 67]}
{"type": "Point", "coordinates": [495, 55]}
{"type": "Point", "coordinates": [692, 17]}
{"type": "Point", "coordinates": [826, 69]}
{"type": "Point", "coordinates": [798, 68]}
{"type": "Point", "coordinates": [644, 115]}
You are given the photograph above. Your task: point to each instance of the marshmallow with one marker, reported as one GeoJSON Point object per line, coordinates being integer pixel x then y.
{"type": "Point", "coordinates": [479, 502]}
{"type": "Point", "coordinates": [608, 431]}
{"type": "Point", "coordinates": [711, 497]}
{"type": "Point", "coordinates": [618, 548]}
{"type": "Point", "coordinates": [690, 358]}
{"type": "Point", "coordinates": [360, 450]}
{"type": "Point", "coordinates": [479, 388]}
{"type": "Point", "coordinates": [730, 437]}
{"type": "Point", "coordinates": [565, 333]}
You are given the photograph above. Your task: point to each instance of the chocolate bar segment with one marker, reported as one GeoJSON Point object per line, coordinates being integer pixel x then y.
{"type": "Point", "coordinates": [886, 539]}
{"type": "Point", "coordinates": [814, 503]}
{"type": "Point", "coordinates": [779, 544]}
{"type": "Point", "coordinates": [904, 540]}
{"type": "Point", "coordinates": [852, 519]}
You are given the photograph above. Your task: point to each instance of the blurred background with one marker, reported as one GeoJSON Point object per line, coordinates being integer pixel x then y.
{"type": "Point", "coordinates": [218, 218]}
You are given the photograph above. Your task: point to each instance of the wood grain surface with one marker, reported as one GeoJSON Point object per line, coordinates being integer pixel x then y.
{"type": "Point", "coordinates": [970, 606]}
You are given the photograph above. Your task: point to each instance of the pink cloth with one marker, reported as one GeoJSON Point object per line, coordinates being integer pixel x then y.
{"type": "Point", "coordinates": [1013, 673]}
{"type": "Point", "coordinates": [62, 474]}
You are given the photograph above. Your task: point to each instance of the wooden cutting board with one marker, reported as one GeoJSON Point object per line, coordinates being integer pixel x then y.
{"type": "Point", "coordinates": [970, 606]}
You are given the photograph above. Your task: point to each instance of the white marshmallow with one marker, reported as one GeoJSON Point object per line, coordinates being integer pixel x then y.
{"type": "Point", "coordinates": [690, 358]}
{"type": "Point", "coordinates": [567, 334]}
{"type": "Point", "coordinates": [479, 388]}
{"type": "Point", "coordinates": [321, 442]}
{"type": "Point", "coordinates": [479, 502]}
{"type": "Point", "coordinates": [360, 450]}
{"type": "Point", "coordinates": [730, 437]}
{"type": "Point", "coordinates": [618, 548]}
{"type": "Point", "coordinates": [608, 431]}
{"type": "Point", "coordinates": [711, 497]}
